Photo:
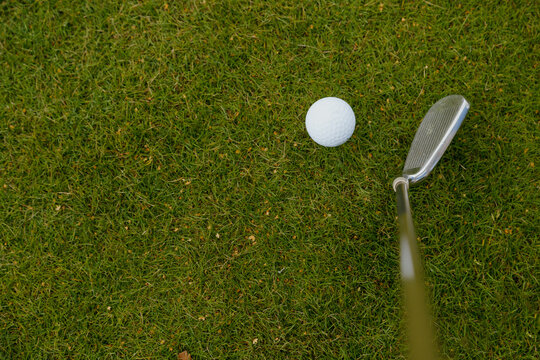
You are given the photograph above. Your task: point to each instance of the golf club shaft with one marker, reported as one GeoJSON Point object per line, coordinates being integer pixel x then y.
{"type": "Point", "coordinates": [421, 339]}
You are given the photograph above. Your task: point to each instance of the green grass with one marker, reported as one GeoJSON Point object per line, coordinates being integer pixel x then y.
{"type": "Point", "coordinates": [159, 193]}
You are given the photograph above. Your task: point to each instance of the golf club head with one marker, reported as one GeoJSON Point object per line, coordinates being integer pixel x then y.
{"type": "Point", "coordinates": [433, 136]}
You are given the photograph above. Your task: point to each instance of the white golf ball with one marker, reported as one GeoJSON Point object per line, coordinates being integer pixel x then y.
{"type": "Point", "coordinates": [330, 121]}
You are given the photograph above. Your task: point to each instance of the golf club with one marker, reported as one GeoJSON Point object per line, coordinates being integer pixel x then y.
{"type": "Point", "coordinates": [430, 142]}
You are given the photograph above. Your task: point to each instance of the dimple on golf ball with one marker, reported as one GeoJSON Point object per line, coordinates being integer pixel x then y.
{"type": "Point", "coordinates": [330, 121]}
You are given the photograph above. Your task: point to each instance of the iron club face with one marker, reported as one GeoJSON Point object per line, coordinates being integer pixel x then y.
{"type": "Point", "coordinates": [433, 136]}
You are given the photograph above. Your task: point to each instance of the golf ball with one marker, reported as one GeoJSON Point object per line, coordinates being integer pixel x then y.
{"type": "Point", "coordinates": [330, 121]}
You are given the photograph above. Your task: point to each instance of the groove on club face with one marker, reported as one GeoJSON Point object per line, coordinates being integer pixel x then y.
{"type": "Point", "coordinates": [434, 135]}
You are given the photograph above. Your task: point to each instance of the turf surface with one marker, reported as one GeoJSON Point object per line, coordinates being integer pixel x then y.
{"type": "Point", "coordinates": [159, 193]}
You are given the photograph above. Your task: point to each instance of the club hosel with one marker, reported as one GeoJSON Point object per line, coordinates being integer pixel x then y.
{"type": "Point", "coordinates": [400, 180]}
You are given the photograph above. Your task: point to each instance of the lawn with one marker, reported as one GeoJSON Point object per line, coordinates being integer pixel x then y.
{"type": "Point", "coordinates": [159, 192]}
